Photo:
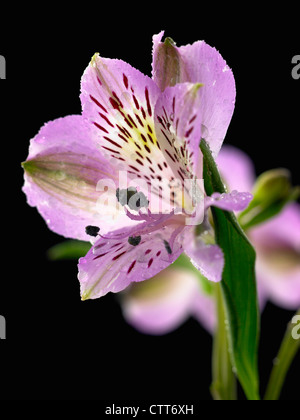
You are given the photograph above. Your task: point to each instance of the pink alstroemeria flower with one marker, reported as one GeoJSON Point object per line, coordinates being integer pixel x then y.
{"type": "Point", "coordinates": [151, 131]}
{"type": "Point", "coordinates": [277, 242]}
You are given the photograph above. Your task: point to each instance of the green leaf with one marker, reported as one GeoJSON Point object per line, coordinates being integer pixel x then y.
{"type": "Point", "coordinates": [238, 284]}
{"type": "Point", "coordinates": [68, 250]}
{"type": "Point", "coordinates": [287, 353]}
{"type": "Point", "coordinates": [223, 387]}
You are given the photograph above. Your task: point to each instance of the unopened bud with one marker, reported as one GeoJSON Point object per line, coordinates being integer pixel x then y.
{"type": "Point", "coordinates": [272, 192]}
{"type": "Point", "coordinates": [168, 64]}
{"type": "Point", "coordinates": [272, 186]}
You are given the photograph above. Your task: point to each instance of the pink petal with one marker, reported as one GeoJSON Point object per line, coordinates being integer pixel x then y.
{"type": "Point", "coordinates": [119, 101]}
{"type": "Point", "coordinates": [236, 168]}
{"type": "Point", "coordinates": [160, 305]}
{"type": "Point", "coordinates": [178, 129]}
{"type": "Point", "coordinates": [234, 201]}
{"type": "Point", "coordinates": [63, 169]}
{"type": "Point", "coordinates": [112, 264]}
{"type": "Point", "coordinates": [156, 40]}
{"type": "Point", "coordinates": [208, 259]}
{"type": "Point", "coordinates": [200, 63]}
{"type": "Point", "coordinates": [204, 310]}
{"type": "Point", "coordinates": [283, 289]}
{"type": "Point", "coordinates": [277, 243]}
{"type": "Point", "coordinates": [282, 230]}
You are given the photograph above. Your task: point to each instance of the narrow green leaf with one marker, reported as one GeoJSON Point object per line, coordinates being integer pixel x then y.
{"type": "Point", "coordinates": [288, 350]}
{"type": "Point", "coordinates": [223, 387]}
{"type": "Point", "coordinates": [68, 250]}
{"type": "Point", "coordinates": [238, 284]}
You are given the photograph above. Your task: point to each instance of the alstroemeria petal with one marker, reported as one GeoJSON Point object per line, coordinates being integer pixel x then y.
{"type": "Point", "coordinates": [234, 201]}
{"type": "Point", "coordinates": [61, 176]}
{"type": "Point", "coordinates": [167, 65]}
{"type": "Point", "coordinates": [178, 129]}
{"type": "Point", "coordinates": [283, 289]}
{"type": "Point", "coordinates": [208, 259]}
{"type": "Point", "coordinates": [119, 101]}
{"type": "Point", "coordinates": [200, 63]}
{"type": "Point", "coordinates": [113, 263]}
{"type": "Point", "coordinates": [283, 230]}
{"type": "Point", "coordinates": [278, 257]}
{"type": "Point", "coordinates": [236, 169]}
{"type": "Point", "coordinates": [160, 305]}
{"type": "Point", "coordinates": [204, 310]}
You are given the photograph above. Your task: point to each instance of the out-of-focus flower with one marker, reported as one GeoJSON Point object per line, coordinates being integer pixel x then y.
{"type": "Point", "coordinates": [277, 241]}
{"type": "Point", "coordinates": [160, 305]}
{"type": "Point", "coordinates": [151, 130]}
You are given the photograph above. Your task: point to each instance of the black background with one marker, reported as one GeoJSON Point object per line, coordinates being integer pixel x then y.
{"type": "Point", "coordinates": [58, 347]}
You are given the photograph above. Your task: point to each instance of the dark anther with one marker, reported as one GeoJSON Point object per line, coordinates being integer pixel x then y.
{"type": "Point", "coordinates": [134, 240]}
{"type": "Point", "coordinates": [92, 230]}
{"type": "Point", "coordinates": [141, 202]}
{"type": "Point", "coordinates": [168, 248]}
{"type": "Point", "coordinates": [131, 197]}
{"type": "Point", "coordinates": [123, 196]}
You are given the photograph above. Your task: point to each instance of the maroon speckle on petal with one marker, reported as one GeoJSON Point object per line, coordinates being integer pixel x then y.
{"type": "Point", "coordinates": [150, 263]}
{"type": "Point", "coordinates": [101, 255]}
{"type": "Point", "coordinates": [137, 105]}
{"type": "Point", "coordinates": [110, 150]}
{"type": "Point", "coordinates": [192, 119]}
{"type": "Point", "coordinates": [131, 267]}
{"type": "Point", "coordinates": [139, 120]}
{"type": "Point", "coordinates": [131, 120]}
{"type": "Point", "coordinates": [106, 119]}
{"type": "Point", "coordinates": [187, 134]}
{"type": "Point", "coordinates": [125, 80]}
{"type": "Point", "coordinates": [100, 127]}
{"type": "Point", "coordinates": [98, 103]}
{"type": "Point", "coordinates": [169, 154]}
{"type": "Point", "coordinates": [148, 102]}
{"type": "Point", "coordinates": [118, 256]}
{"type": "Point", "coordinates": [114, 103]}
{"type": "Point", "coordinates": [112, 142]}
{"type": "Point", "coordinates": [143, 112]}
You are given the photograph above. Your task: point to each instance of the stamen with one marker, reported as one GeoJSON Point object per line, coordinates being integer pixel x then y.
{"type": "Point", "coordinates": [134, 240]}
{"type": "Point", "coordinates": [132, 198]}
{"type": "Point", "coordinates": [123, 196]}
{"type": "Point", "coordinates": [141, 202]}
{"type": "Point", "coordinates": [168, 248]}
{"type": "Point", "coordinates": [92, 230]}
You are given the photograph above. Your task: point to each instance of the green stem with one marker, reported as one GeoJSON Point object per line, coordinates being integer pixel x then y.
{"type": "Point", "coordinates": [286, 355]}
{"type": "Point", "coordinates": [224, 381]}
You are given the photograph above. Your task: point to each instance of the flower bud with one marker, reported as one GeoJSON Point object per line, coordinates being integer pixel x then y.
{"type": "Point", "coordinates": [272, 191]}
{"type": "Point", "coordinates": [168, 64]}
{"type": "Point", "coordinates": [272, 186]}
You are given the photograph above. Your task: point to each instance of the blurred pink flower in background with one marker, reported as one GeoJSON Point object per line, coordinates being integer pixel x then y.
{"type": "Point", "coordinates": [162, 304]}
